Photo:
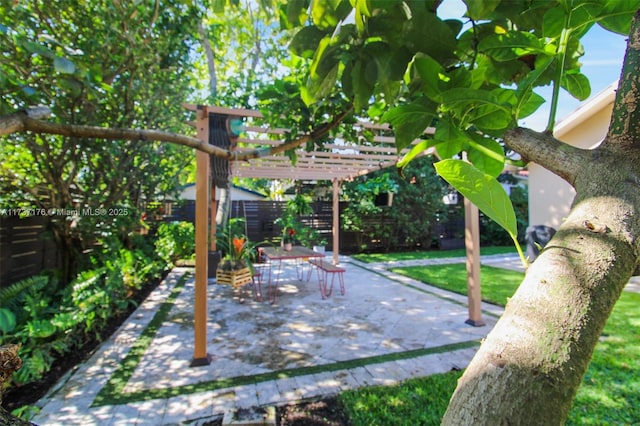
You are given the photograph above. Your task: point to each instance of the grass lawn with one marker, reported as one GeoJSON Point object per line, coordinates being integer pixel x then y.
{"type": "Point", "coordinates": [420, 401]}
{"type": "Point", "coordinates": [431, 254]}
{"type": "Point", "coordinates": [497, 284]}
{"type": "Point", "coordinates": [609, 394]}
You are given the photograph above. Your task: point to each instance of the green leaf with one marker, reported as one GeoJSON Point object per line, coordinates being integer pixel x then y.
{"type": "Point", "coordinates": [616, 15]}
{"type": "Point", "coordinates": [63, 65]}
{"type": "Point", "coordinates": [490, 118]}
{"type": "Point", "coordinates": [416, 150]}
{"type": "Point", "coordinates": [40, 328]}
{"type": "Point", "coordinates": [38, 49]}
{"type": "Point", "coordinates": [361, 10]}
{"type": "Point", "coordinates": [524, 93]}
{"type": "Point", "coordinates": [362, 86]}
{"type": "Point", "coordinates": [554, 21]}
{"type": "Point", "coordinates": [488, 110]}
{"type": "Point", "coordinates": [510, 46]}
{"type": "Point", "coordinates": [294, 13]}
{"type": "Point", "coordinates": [480, 9]}
{"type": "Point", "coordinates": [528, 104]}
{"type": "Point", "coordinates": [482, 190]}
{"type": "Point", "coordinates": [306, 41]}
{"type": "Point", "coordinates": [584, 14]}
{"type": "Point", "coordinates": [327, 14]}
{"type": "Point", "coordinates": [426, 33]}
{"type": "Point", "coordinates": [465, 97]}
{"type": "Point", "coordinates": [449, 139]}
{"type": "Point", "coordinates": [385, 68]}
{"type": "Point", "coordinates": [430, 71]}
{"type": "Point", "coordinates": [323, 73]}
{"type": "Point", "coordinates": [7, 321]}
{"type": "Point", "coordinates": [486, 155]}
{"type": "Point", "coordinates": [319, 87]}
{"type": "Point", "coordinates": [577, 85]}
{"type": "Point", "coordinates": [409, 121]}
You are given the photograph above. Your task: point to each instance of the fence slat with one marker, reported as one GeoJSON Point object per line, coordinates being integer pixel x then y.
{"type": "Point", "coordinates": [25, 248]}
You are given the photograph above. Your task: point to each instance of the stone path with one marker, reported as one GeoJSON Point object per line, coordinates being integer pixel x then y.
{"type": "Point", "coordinates": [385, 329]}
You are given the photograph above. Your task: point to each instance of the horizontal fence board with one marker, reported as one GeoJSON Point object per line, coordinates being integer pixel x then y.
{"type": "Point", "coordinates": [26, 248]}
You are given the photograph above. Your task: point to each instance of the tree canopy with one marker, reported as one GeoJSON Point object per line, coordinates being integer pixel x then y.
{"type": "Point", "coordinates": [471, 78]}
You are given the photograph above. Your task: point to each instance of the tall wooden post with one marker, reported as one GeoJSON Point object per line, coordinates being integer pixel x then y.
{"type": "Point", "coordinates": [335, 227]}
{"type": "Point", "coordinates": [200, 355]}
{"type": "Point", "coordinates": [212, 213]}
{"type": "Point", "coordinates": [472, 245]}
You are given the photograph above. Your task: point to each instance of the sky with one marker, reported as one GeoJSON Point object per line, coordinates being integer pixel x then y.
{"type": "Point", "coordinates": [601, 63]}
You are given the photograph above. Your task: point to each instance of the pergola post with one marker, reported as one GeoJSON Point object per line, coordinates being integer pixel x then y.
{"type": "Point", "coordinates": [212, 229]}
{"type": "Point", "coordinates": [200, 355]}
{"type": "Point", "coordinates": [335, 227]}
{"type": "Point", "coordinates": [472, 245]}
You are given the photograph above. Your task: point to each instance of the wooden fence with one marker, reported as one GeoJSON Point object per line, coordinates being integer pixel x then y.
{"type": "Point", "coordinates": [260, 217]}
{"type": "Point", "coordinates": [26, 248]}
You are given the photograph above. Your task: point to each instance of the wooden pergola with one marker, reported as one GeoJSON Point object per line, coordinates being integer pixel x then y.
{"type": "Point", "coordinates": [252, 156]}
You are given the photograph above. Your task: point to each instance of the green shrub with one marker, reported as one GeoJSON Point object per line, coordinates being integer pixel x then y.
{"type": "Point", "coordinates": [48, 322]}
{"type": "Point", "coordinates": [417, 204]}
{"type": "Point", "coordinates": [176, 240]}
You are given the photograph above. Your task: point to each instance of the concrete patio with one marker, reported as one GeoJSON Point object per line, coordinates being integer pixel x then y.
{"type": "Point", "coordinates": [385, 329]}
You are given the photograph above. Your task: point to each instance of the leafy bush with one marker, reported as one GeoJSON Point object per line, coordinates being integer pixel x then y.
{"type": "Point", "coordinates": [417, 201]}
{"type": "Point", "coordinates": [176, 240]}
{"type": "Point", "coordinates": [48, 321]}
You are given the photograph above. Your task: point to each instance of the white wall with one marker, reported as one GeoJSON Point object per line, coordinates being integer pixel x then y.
{"type": "Point", "coordinates": [550, 197]}
{"type": "Point", "coordinates": [237, 194]}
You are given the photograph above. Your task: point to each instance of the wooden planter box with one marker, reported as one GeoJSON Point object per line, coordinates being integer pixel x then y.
{"type": "Point", "coordinates": [236, 278]}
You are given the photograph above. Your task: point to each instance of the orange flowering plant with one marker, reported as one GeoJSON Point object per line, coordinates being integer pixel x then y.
{"type": "Point", "coordinates": [237, 251]}
{"type": "Point", "coordinates": [238, 254]}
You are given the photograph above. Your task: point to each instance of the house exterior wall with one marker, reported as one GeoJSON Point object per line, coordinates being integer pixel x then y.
{"type": "Point", "coordinates": [550, 197]}
{"type": "Point", "coordinates": [189, 193]}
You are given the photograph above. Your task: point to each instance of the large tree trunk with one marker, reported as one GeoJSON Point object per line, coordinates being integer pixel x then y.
{"type": "Point", "coordinates": [531, 365]}
{"type": "Point", "coordinates": [9, 364]}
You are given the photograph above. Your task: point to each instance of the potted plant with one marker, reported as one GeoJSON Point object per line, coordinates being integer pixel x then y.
{"type": "Point", "coordinates": [319, 242]}
{"type": "Point", "coordinates": [292, 229]}
{"type": "Point", "coordinates": [235, 266]}
{"type": "Point", "coordinates": [288, 238]}
{"type": "Point", "coordinates": [239, 253]}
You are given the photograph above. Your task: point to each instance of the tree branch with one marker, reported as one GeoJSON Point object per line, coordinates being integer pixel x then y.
{"type": "Point", "coordinates": [558, 157]}
{"type": "Point", "coordinates": [211, 63]}
{"type": "Point", "coordinates": [624, 132]}
{"type": "Point", "coordinates": [13, 123]}
{"type": "Point", "coordinates": [315, 134]}
{"type": "Point", "coordinates": [27, 121]}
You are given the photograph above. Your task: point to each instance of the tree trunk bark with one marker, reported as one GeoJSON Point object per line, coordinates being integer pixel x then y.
{"type": "Point", "coordinates": [530, 366]}
{"type": "Point", "coordinates": [10, 362]}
